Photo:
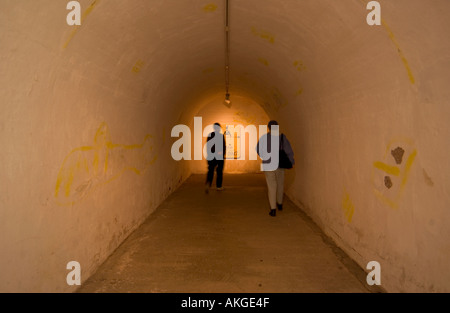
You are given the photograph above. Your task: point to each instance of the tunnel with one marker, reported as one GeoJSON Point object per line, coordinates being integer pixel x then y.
{"type": "Point", "coordinates": [88, 112]}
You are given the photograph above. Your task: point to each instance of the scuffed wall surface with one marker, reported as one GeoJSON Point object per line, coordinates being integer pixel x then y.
{"type": "Point", "coordinates": [86, 114]}
{"type": "Point", "coordinates": [85, 157]}
{"type": "Point", "coordinates": [372, 144]}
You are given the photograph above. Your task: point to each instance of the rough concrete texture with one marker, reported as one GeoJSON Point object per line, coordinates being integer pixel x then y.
{"type": "Point", "coordinates": [226, 242]}
{"type": "Point", "coordinates": [345, 93]}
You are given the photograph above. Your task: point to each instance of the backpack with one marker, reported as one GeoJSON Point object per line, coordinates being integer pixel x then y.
{"type": "Point", "coordinates": [284, 161]}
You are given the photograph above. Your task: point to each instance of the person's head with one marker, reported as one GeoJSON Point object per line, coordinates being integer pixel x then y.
{"type": "Point", "coordinates": [271, 123]}
{"type": "Point", "coordinates": [217, 127]}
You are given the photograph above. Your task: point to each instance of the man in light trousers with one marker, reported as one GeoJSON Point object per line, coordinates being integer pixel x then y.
{"type": "Point", "coordinates": [270, 164]}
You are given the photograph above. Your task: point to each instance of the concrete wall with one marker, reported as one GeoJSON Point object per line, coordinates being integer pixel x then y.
{"type": "Point", "coordinates": [84, 158]}
{"type": "Point", "coordinates": [372, 140]}
{"type": "Point", "coordinates": [87, 112]}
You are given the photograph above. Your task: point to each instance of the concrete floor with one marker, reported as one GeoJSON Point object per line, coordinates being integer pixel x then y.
{"type": "Point", "coordinates": [225, 241]}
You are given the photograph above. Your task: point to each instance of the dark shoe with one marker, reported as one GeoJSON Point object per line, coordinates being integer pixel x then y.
{"type": "Point", "coordinates": [280, 207]}
{"type": "Point", "coordinates": [273, 212]}
{"type": "Point", "coordinates": [206, 188]}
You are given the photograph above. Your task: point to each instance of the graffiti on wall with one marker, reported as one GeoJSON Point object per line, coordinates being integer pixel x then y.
{"type": "Point", "coordinates": [211, 7]}
{"type": "Point", "coordinates": [137, 67]}
{"type": "Point", "coordinates": [400, 52]}
{"type": "Point", "coordinates": [348, 207]}
{"type": "Point", "coordinates": [390, 175]}
{"type": "Point", "coordinates": [263, 34]}
{"type": "Point", "coordinates": [83, 17]}
{"type": "Point", "coordinates": [394, 41]}
{"type": "Point", "coordinates": [298, 64]}
{"type": "Point", "coordinates": [86, 168]}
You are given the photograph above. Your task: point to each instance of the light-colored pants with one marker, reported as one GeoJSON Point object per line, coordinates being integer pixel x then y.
{"type": "Point", "coordinates": [275, 186]}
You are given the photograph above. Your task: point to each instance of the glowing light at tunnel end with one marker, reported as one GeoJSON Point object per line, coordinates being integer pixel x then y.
{"type": "Point", "coordinates": [201, 150]}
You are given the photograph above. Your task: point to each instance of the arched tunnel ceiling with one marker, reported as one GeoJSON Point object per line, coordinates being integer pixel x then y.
{"type": "Point", "coordinates": [170, 54]}
{"type": "Point", "coordinates": [280, 50]}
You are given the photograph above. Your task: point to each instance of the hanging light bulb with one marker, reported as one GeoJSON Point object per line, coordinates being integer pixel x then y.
{"type": "Point", "coordinates": [227, 100]}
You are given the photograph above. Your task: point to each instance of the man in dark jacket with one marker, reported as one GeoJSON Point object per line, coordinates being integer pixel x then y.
{"type": "Point", "coordinates": [216, 150]}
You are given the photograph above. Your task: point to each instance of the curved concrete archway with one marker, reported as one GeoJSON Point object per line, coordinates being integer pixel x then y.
{"type": "Point", "coordinates": [87, 113]}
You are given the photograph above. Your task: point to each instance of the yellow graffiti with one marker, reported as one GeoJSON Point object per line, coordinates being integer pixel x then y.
{"type": "Point", "coordinates": [348, 207]}
{"type": "Point", "coordinates": [84, 15]}
{"type": "Point", "coordinates": [391, 192]}
{"type": "Point", "coordinates": [263, 61]}
{"type": "Point", "coordinates": [392, 170]}
{"type": "Point", "coordinates": [210, 7]}
{"type": "Point", "coordinates": [402, 56]}
{"type": "Point", "coordinates": [408, 165]}
{"type": "Point", "coordinates": [138, 66]}
{"type": "Point", "coordinates": [86, 168]}
{"type": "Point", "coordinates": [299, 65]}
{"type": "Point", "coordinates": [263, 34]}
{"type": "Point", "coordinates": [394, 41]}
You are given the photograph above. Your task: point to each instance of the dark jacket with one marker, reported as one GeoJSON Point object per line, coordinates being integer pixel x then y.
{"type": "Point", "coordinates": [265, 153]}
{"type": "Point", "coordinates": [218, 151]}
